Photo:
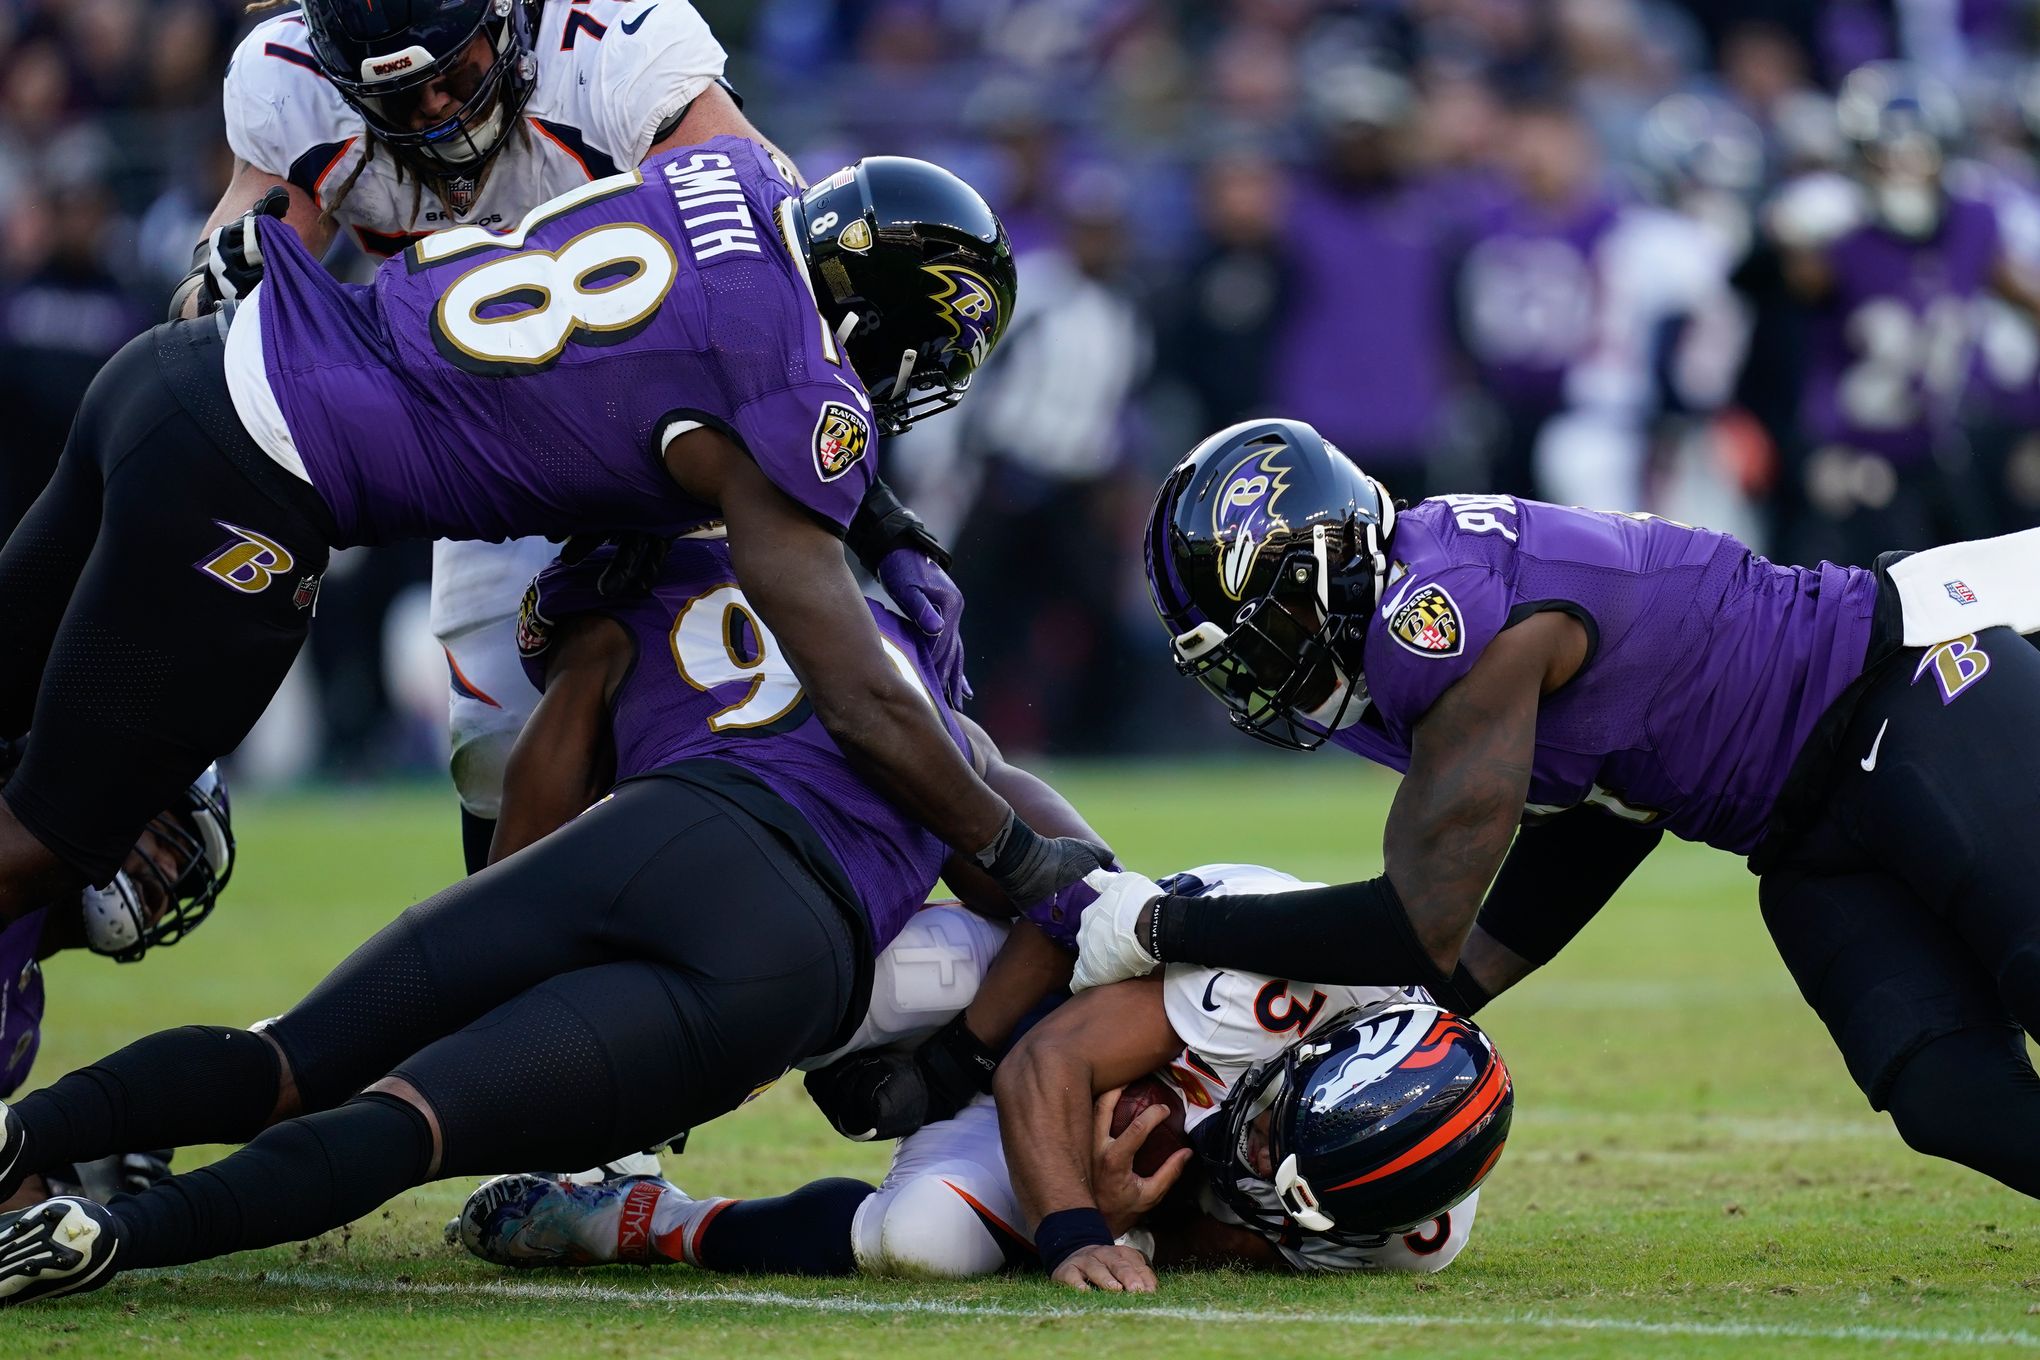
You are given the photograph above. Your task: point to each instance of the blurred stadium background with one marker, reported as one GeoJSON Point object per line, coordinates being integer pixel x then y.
{"type": "Point", "coordinates": [1513, 245]}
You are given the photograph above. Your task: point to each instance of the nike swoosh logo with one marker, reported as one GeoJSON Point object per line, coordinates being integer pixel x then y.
{"type": "Point", "coordinates": [1207, 991]}
{"type": "Point", "coordinates": [632, 25]}
{"type": "Point", "coordinates": [1869, 762]}
{"type": "Point", "coordinates": [1395, 601]}
{"type": "Point", "coordinates": [851, 388]}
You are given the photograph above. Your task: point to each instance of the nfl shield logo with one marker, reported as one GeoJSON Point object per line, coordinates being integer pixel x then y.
{"type": "Point", "coordinates": [460, 194]}
{"type": "Point", "coordinates": [1959, 592]}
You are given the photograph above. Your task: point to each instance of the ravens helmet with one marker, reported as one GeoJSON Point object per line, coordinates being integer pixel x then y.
{"type": "Point", "coordinates": [1379, 1121]}
{"type": "Point", "coordinates": [1901, 124]}
{"type": "Point", "coordinates": [381, 54]}
{"type": "Point", "coordinates": [1265, 553]}
{"type": "Point", "coordinates": [163, 896]}
{"type": "Point", "coordinates": [915, 274]}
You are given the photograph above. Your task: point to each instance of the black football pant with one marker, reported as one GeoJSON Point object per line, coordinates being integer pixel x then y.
{"type": "Point", "coordinates": [640, 971]}
{"type": "Point", "coordinates": [1909, 912]}
{"type": "Point", "coordinates": [154, 597]}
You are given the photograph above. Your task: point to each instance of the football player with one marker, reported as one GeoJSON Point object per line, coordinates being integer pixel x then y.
{"type": "Point", "coordinates": [168, 885]}
{"type": "Point", "coordinates": [644, 968]}
{"type": "Point", "coordinates": [658, 351]}
{"type": "Point", "coordinates": [1258, 1066]}
{"type": "Point", "coordinates": [1865, 736]}
{"type": "Point", "coordinates": [1895, 268]}
{"type": "Point", "coordinates": [396, 118]}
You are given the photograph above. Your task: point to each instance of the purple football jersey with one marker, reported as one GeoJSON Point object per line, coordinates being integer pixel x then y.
{"type": "Point", "coordinates": [21, 999]}
{"type": "Point", "coordinates": [1707, 666]}
{"type": "Point", "coordinates": [1891, 349]}
{"type": "Point", "coordinates": [711, 683]}
{"type": "Point", "coordinates": [493, 385]}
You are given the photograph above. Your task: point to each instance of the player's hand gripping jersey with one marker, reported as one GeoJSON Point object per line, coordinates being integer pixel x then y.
{"type": "Point", "coordinates": [609, 80]}
{"type": "Point", "coordinates": [492, 385]}
{"type": "Point", "coordinates": [1706, 668]}
{"type": "Point", "coordinates": [711, 683]}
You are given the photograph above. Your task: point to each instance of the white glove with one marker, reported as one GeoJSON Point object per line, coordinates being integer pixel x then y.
{"type": "Point", "coordinates": [1109, 948]}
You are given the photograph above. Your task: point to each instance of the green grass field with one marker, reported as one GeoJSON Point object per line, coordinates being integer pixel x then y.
{"type": "Point", "coordinates": [1691, 1170]}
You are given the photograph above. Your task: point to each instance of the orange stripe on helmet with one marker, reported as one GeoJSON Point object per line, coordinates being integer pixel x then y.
{"type": "Point", "coordinates": [1486, 1095]}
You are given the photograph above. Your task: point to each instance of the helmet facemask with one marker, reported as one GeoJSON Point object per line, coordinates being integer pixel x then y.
{"type": "Point", "coordinates": [1287, 669]}
{"type": "Point", "coordinates": [159, 898]}
{"type": "Point", "coordinates": [386, 91]}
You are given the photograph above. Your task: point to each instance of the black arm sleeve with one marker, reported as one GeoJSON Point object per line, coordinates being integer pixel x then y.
{"type": "Point", "coordinates": [1352, 934]}
{"type": "Point", "coordinates": [1558, 875]}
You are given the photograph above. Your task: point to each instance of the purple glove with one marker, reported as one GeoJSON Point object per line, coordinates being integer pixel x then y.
{"type": "Point", "coordinates": [926, 595]}
{"type": "Point", "coordinates": [1059, 916]}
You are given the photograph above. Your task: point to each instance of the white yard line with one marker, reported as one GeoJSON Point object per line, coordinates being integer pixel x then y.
{"type": "Point", "coordinates": [539, 1292]}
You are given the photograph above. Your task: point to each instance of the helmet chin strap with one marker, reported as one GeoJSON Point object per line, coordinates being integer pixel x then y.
{"type": "Point", "coordinates": [846, 326]}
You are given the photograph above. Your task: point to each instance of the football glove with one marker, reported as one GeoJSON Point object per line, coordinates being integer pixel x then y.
{"type": "Point", "coordinates": [889, 1094]}
{"type": "Point", "coordinates": [1030, 867]}
{"type": "Point", "coordinates": [1109, 947]}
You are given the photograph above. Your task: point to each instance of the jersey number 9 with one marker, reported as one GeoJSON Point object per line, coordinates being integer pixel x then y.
{"type": "Point", "coordinates": [718, 639]}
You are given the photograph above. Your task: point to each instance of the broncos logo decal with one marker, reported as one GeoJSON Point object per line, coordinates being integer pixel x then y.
{"type": "Point", "coordinates": [1244, 516]}
{"type": "Point", "coordinates": [969, 307]}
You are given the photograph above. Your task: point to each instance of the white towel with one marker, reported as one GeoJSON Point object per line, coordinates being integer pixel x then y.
{"type": "Point", "coordinates": [1966, 587]}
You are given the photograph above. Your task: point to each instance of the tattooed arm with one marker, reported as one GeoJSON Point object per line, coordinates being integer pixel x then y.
{"type": "Point", "coordinates": [1447, 832]}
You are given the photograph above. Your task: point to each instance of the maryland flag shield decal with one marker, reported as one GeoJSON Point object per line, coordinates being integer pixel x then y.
{"type": "Point", "coordinates": [841, 436]}
{"type": "Point", "coordinates": [1428, 623]}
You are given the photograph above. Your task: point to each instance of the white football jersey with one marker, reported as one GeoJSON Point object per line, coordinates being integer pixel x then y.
{"type": "Point", "coordinates": [1231, 1022]}
{"type": "Point", "coordinates": [608, 79]}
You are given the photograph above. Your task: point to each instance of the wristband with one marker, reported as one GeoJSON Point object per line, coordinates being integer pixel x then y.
{"type": "Point", "coordinates": [1066, 1232]}
{"type": "Point", "coordinates": [883, 523]}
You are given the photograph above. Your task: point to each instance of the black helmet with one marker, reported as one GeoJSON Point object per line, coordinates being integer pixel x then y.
{"type": "Point", "coordinates": [1382, 1120]}
{"type": "Point", "coordinates": [1265, 553]}
{"type": "Point", "coordinates": [198, 834]}
{"type": "Point", "coordinates": [380, 54]}
{"type": "Point", "coordinates": [915, 274]}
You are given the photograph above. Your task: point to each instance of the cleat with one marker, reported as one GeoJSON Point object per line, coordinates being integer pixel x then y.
{"type": "Point", "coordinates": [61, 1246]}
{"type": "Point", "coordinates": [527, 1220]}
{"type": "Point", "coordinates": [13, 1143]}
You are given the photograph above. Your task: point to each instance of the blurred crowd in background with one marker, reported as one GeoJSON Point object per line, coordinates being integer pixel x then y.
{"type": "Point", "coordinates": [1636, 254]}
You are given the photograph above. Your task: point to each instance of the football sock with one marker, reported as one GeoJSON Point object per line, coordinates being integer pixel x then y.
{"type": "Point", "coordinates": [197, 1084]}
{"type": "Point", "coordinates": [1973, 1097]}
{"type": "Point", "coordinates": [804, 1233]}
{"type": "Point", "coordinates": [301, 1178]}
{"type": "Point", "coordinates": [476, 835]}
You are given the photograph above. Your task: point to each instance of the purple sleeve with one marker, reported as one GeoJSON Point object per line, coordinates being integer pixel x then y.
{"type": "Point", "coordinates": [814, 441]}
{"type": "Point", "coordinates": [21, 999]}
{"type": "Point", "coordinates": [555, 595]}
{"type": "Point", "coordinates": [1430, 630]}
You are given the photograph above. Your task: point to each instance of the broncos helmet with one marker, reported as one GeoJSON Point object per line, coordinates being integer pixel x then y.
{"type": "Point", "coordinates": [1265, 553]}
{"type": "Point", "coordinates": [381, 54]}
{"type": "Point", "coordinates": [1900, 124]}
{"type": "Point", "coordinates": [124, 919]}
{"type": "Point", "coordinates": [1381, 1120]}
{"type": "Point", "coordinates": [914, 273]}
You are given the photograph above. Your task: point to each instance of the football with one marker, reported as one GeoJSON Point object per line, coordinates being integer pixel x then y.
{"type": "Point", "coordinates": [1163, 1140]}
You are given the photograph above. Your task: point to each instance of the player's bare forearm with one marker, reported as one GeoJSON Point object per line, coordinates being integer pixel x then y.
{"type": "Point", "coordinates": [1037, 803]}
{"type": "Point", "coordinates": [793, 569]}
{"type": "Point", "coordinates": [565, 756]}
{"type": "Point", "coordinates": [246, 189]}
{"type": "Point", "coordinates": [1457, 809]}
{"type": "Point", "coordinates": [715, 114]}
{"type": "Point", "coordinates": [1027, 968]}
{"type": "Point", "coordinates": [1099, 1040]}
{"type": "Point", "coordinates": [2018, 285]}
